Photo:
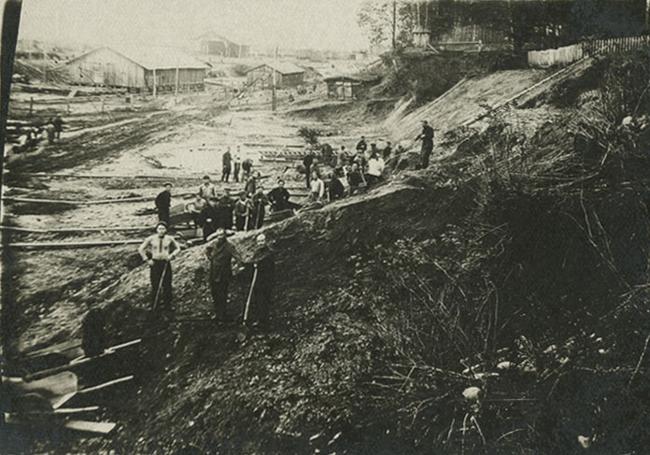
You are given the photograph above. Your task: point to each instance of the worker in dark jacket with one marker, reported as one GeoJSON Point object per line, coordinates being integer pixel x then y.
{"type": "Point", "coordinates": [208, 219]}
{"type": "Point", "coordinates": [226, 166]}
{"type": "Point", "coordinates": [426, 136]}
{"type": "Point", "coordinates": [224, 209]}
{"type": "Point", "coordinates": [242, 211]}
{"type": "Point", "coordinates": [355, 178]}
{"type": "Point", "coordinates": [308, 161]}
{"type": "Point", "coordinates": [220, 272]}
{"type": "Point", "coordinates": [262, 276]}
{"type": "Point", "coordinates": [259, 202]}
{"type": "Point", "coordinates": [163, 203]}
{"type": "Point", "coordinates": [362, 145]}
{"type": "Point", "coordinates": [58, 125]}
{"type": "Point", "coordinates": [335, 188]}
{"type": "Point", "coordinates": [279, 198]}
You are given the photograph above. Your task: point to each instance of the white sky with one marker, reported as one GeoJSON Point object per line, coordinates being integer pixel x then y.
{"type": "Point", "coordinates": [320, 24]}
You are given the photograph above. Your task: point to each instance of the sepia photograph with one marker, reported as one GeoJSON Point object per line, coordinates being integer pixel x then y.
{"type": "Point", "coordinates": [337, 227]}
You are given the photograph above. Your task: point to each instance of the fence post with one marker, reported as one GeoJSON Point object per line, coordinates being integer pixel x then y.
{"type": "Point", "coordinates": [31, 105]}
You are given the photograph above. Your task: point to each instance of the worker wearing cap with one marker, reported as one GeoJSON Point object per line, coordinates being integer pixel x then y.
{"type": "Point", "coordinates": [220, 272]}
{"type": "Point", "coordinates": [158, 250]}
{"type": "Point", "coordinates": [262, 286]}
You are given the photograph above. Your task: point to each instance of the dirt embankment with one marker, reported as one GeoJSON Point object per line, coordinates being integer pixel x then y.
{"type": "Point", "coordinates": [516, 268]}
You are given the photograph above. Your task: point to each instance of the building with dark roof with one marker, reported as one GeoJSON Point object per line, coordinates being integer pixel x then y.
{"type": "Point", "coordinates": [286, 75]}
{"type": "Point", "coordinates": [134, 68]}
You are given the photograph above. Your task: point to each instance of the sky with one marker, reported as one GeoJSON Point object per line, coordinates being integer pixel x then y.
{"type": "Point", "coordinates": [319, 24]}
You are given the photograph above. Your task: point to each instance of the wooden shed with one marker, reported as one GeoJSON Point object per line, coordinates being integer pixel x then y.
{"type": "Point", "coordinates": [286, 75]}
{"type": "Point", "coordinates": [348, 86]}
{"type": "Point", "coordinates": [134, 68]}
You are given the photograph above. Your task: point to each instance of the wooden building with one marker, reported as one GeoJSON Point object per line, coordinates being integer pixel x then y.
{"type": "Point", "coordinates": [211, 43]}
{"type": "Point", "coordinates": [286, 75]}
{"type": "Point", "coordinates": [523, 24]}
{"type": "Point", "coordinates": [346, 87]}
{"type": "Point", "coordinates": [134, 68]}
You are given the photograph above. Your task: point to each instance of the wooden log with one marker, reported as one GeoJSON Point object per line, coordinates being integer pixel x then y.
{"type": "Point", "coordinates": [90, 244]}
{"type": "Point", "coordinates": [73, 230]}
{"type": "Point", "coordinates": [53, 349]}
{"type": "Point", "coordinates": [87, 202]}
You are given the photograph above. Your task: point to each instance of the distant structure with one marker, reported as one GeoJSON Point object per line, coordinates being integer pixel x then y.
{"type": "Point", "coordinates": [286, 75]}
{"type": "Point", "coordinates": [211, 43]}
{"type": "Point", "coordinates": [347, 87]}
{"type": "Point", "coordinates": [134, 68]}
{"type": "Point", "coordinates": [523, 24]}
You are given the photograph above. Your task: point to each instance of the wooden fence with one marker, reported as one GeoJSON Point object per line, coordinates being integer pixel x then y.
{"type": "Point", "coordinates": [568, 54]}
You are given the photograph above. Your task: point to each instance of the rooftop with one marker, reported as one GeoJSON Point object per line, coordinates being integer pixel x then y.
{"type": "Point", "coordinates": [281, 67]}
{"type": "Point", "coordinates": [150, 57]}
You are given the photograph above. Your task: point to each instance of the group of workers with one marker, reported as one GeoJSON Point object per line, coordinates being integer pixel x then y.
{"type": "Point", "coordinates": [159, 249]}
{"type": "Point", "coordinates": [218, 216]}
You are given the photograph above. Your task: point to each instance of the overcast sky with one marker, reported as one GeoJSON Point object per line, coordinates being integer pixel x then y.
{"type": "Point", "coordinates": [324, 24]}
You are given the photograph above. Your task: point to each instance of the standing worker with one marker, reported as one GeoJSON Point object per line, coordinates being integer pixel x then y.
{"type": "Point", "coordinates": [262, 275]}
{"type": "Point", "coordinates": [206, 190]}
{"type": "Point", "coordinates": [247, 168]}
{"type": "Point", "coordinates": [237, 165]}
{"type": "Point", "coordinates": [158, 250]}
{"type": "Point", "coordinates": [226, 162]}
{"type": "Point", "coordinates": [208, 218]}
{"type": "Point", "coordinates": [50, 130]}
{"type": "Point", "coordinates": [163, 203]}
{"type": "Point", "coordinates": [58, 125]}
{"type": "Point", "coordinates": [426, 136]}
{"type": "Point", "coordinates": [362, 145]}
{"type": "Point", "coordinates": [307, 161]}
{"type": "Point", "coordinates": [242, 208]}
{"type": "Point", "coordinates": [260, 201]}
{"type": "Point", "coordinates": [220, 273]}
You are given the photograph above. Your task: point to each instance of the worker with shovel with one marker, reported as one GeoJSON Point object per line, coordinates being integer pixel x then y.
{"type": "Point", "coordinates": [220, 259]}
{"type": "Point", "coordinates": [158, 250]}
{"type": "Point", "coordinates": [262, 275]}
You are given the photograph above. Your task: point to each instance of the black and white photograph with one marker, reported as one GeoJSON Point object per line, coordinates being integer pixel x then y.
{"type": "Point", "coordinates": [337, 227]}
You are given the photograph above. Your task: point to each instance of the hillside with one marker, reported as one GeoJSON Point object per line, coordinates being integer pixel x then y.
{"type": "Point", "coordinates": [514, 266]}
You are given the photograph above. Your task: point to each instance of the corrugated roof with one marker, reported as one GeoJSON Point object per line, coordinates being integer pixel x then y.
{"type": "Point", "coordinates": [281, 67]}
{"type": "Point", "coordinates": [151, 57]}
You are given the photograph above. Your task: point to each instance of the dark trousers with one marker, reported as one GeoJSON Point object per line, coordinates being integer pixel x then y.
{"type": "Point", "coordinates": [161, 285]}
{"type": "Point", "coordinates": [163, 214]}
{"type": "Point", "coordinates": [425, 153]}
{"type": "Point", "coordinates": [308, 175]}
{"type": "Point", "coordinates": [240, 222]}
{"type": "Point", "coordinates": [261, 302]}
{"type": "Point", "coordinates": [219, 291]}
{"type": "Point", "coordinates": [225, 174]}
{"type": "Point", "coordinates": [372, 179]}
{"type": "Point", "coordinates": [236, 172]}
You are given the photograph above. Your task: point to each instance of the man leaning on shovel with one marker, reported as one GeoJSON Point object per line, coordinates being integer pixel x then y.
{"type": "Point", "coordinates": [261, 272]}
{"type": "Point", "coordinates": [158, 250]}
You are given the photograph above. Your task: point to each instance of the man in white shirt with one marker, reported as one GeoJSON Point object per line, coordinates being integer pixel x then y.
{"type": "Point", "coordinates": [375, 169]}
{"type": "Point", "coordinates": [317, 187]}
{"type": "Point", "coordinates": [158, 250]}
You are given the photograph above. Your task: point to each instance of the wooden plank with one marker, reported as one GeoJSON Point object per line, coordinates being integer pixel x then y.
{"type": "Point", "coordinates": [108, 351]}
{"type": "Point", "coordinates": [90, 427]}
{"type": "Point", "coordinates": [106, 384]}
{"type": "Point", "coordinates": [50, 386]}
{"type": "Point", "coordinates": [87, 202]}
{"type": "Point", "coordinates": [53, 245]}
{"type": "Point", "coordinates": [54, 349]}
{"type": "Point", "coordinates": [73, 230]}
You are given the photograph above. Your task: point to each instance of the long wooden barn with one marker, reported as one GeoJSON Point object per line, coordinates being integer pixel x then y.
{"type": "Point", "coordinates": [524, 24]}
{"type": "Point", "coordinates": [134, 68]}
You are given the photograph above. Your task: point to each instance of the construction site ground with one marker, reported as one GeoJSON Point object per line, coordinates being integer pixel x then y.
{"type": "Point", "coordinates": [196, 381]}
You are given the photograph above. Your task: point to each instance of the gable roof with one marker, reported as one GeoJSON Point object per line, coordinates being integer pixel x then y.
{"type": "Point", "coordinates": [153, 57]}
{"type": "Point", "coordinates": [281, 67]}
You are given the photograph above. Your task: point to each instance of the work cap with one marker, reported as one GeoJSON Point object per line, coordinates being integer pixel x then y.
{"type": "Point", "coordinates": [162, 223]}
{"type": "Point", "coordinates": [260, 238]}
